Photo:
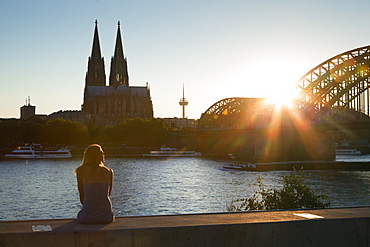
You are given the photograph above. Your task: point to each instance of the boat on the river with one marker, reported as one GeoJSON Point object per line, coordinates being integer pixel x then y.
{"type": "Point", "coordinates": [240, 166]}
{"type": "Point", "coordinates": [237, 165]}
{"type": "Point", "coordinates": [172, 152]}
{"type": "Point", "coordinates": [306, 165]}
{"type": "Point", "coordinates": [347, 151]}
{"type": "Point", "coordinates": [292, 165]}
{"type": "Point", "coordinates": [36, 151]}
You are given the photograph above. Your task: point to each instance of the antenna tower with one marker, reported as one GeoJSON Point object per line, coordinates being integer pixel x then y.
{"type": "Point", "coordinates": [183, 102]}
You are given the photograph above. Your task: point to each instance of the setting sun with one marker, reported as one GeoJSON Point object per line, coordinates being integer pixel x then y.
{"type": "Point", "coordinates": [272, 79]}
{"type": "Point", "coordinates": [280, 102]}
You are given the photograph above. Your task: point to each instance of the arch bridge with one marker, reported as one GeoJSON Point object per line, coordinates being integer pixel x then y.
{"type": "Point", "coordinates": [337, 89]}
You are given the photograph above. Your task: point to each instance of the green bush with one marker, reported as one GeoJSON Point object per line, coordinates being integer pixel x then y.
{"type": "Point", "coordinates": [295, 194]}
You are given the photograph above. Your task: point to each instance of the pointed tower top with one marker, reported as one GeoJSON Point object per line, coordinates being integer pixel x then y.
{"type": "Point", "coordinates": [118, 72]}
{"type": "Point", "coordinates": [118, 50]}
{"type": "Point", "coordinates": [95, 75]}
{"type": "Point", "coordinates": [95, 52]}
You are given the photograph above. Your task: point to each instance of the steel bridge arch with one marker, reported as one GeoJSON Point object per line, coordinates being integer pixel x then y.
{"type": "Point", "coordinates": [236, 112]}
{"type": "Point", "coordinates": [342, 81]}
{"type": "Point", "coordinates": [337, 89]}
{"type": "Point", "coordinates": [233, 105]}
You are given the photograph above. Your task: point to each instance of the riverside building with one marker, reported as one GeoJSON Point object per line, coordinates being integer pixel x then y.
{"type": "Point", "coordinates": [105, 105]}
{"type": "Point", "coordinates": [112, 104]}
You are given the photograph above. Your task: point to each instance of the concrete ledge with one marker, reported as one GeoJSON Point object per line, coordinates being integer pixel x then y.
{"type": "Point", "coordinates": [322, 227]}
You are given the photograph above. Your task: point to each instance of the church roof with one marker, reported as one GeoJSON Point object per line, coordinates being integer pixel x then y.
{"type": "Point", "coordinates": [100, 90]}
{"type": "Point", "coordinates": [123, 88]}
{"type": "Point", "coordinates": [139, 91]}
{"type": "Point", "coordinates": [107, 90]}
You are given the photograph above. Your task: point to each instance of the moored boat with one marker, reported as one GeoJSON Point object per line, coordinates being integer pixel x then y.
{"type": "Point", "coordinates": [237, 165]}
{"type": "Point", "coordinates": [172, 152]}
{"type": "Point", "coordinates": [36, 152]}
{"type": "Point", "coordinates": [347, 151]}
{"type": "Point", "coordinates": [306, 165]}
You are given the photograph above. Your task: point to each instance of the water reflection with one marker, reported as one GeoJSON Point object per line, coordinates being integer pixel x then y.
{"type": "Point", "coordinates": [45, 189]}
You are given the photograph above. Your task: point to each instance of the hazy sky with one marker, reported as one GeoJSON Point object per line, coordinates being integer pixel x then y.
{"type": "Point", "coordinates": [217, 49]}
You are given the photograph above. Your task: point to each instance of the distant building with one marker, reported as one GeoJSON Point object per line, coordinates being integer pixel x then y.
{"type": "Point", "coordinates": [110, 105]}
{"type": "Point", "coordinates": [28, 111]}
{"type": "Point", "coordinates": [74, 116]}
{"type": "Point", "coordinates": [180, 123]}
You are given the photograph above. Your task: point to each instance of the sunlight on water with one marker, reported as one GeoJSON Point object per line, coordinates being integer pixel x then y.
{"type": "Point", "coordinates": [46, 189]}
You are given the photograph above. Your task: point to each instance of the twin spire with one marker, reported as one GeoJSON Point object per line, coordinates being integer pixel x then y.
{"type": "Point", "coordinates": [95, 52]}
{"type": "Point", "coordinates": [95, 75]}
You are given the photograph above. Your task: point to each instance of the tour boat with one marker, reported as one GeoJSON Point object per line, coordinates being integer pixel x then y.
{"type": "Point", "coordinates": [347, 152]}
{"type": "Point", "coordinates": [36, 152]}
{"type": "Point", "coordinates": [171, 152]}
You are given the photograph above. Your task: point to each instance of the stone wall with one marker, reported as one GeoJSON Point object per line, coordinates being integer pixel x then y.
{"type": "Point", "coordinates": [324, 227]}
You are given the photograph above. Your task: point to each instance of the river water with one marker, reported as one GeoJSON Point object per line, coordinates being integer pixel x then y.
{"type": "Point", "coordinates": [47, 189]}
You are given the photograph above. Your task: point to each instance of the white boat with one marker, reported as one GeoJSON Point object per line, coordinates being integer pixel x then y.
{"type": "Point", "coordinates": [36, 152]}
{"type": "Point", "coordinates": [238, 166]}
{"type": "Point", "coordinates": [347, 151]}
{"type": "Point", "coordinates": [172, 152]}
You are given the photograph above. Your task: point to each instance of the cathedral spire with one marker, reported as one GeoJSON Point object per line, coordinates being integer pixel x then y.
{"type": "Point", "coordinates": [95, 75]}
{"type": "Point", "coordinates": [118, 67]}
{"type": "Point", "coordinates": [95, 52]}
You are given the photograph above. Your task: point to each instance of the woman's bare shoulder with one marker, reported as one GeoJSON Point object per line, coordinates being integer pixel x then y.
{"type": "Point", "coordinates": [107, 169]}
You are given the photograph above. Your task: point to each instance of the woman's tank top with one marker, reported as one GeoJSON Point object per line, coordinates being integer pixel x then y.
{"type": "Point", "coordinates": [97, 206]}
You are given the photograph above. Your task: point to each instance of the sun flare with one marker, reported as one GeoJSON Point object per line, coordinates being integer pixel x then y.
{"type": "Point", "coordinates": [280, 102]}
{"type": "Point", "coordinates": [273, 79]}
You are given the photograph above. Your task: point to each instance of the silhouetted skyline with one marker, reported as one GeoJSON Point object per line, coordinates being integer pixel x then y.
{"type": "Point", "coordinates": [216, 49]}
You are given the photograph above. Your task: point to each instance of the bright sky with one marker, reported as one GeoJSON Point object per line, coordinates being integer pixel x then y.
{"type": "Point", "coordinates": [217, 49]}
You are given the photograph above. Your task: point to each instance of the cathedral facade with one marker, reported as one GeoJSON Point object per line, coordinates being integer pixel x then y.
{"type": "Point", "coordinates": [110, 105]}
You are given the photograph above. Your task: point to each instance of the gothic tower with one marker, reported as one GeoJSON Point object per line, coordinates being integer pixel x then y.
{"type": "Point", "coordinates": [110, 105]}
{"type": "Point", "coordinates": [95, 75]}
{"type": "Point", "coordinates": [118, 65]}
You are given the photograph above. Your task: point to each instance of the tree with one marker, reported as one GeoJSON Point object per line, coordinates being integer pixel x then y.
{"type": "Point", "coordinates": [94, 132]}
{"type": "Point", "coordinates": [136, 132]}
{"type": "Point", "coordinates": [106, 135]}
{"type": "Point", "coordinates": [60, 131]}
{"type": "Point", "coordinates": [30, 131]}
{"type": "Point", "coordinates": [295, 194]}
{"type": "Point", "coordinates": [10, 133]}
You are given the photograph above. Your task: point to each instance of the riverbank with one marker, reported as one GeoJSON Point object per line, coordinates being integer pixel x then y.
{"type": "Point", "coordinates": [305, 165]}
{"type": "Point", "coordinates": [117, 152]}
{"type": "Point", "coordinates": [320, 227]}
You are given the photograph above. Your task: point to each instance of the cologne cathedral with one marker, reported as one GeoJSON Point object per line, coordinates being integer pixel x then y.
{"type": "Point", "coordinates": [110, 105]}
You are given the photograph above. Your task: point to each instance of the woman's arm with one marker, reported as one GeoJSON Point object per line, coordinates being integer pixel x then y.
{"type": "Point", "coordinates": [111, 182]}
{"type": "Point", "coordinates": [80, 187]}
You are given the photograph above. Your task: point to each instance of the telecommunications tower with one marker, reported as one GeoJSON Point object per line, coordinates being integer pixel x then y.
{"type": "Point", "coordinates": [183, 102]}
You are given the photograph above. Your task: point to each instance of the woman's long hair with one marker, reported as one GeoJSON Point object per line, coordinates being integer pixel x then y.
{"type": "Point", "coordinates": [93, 157]}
